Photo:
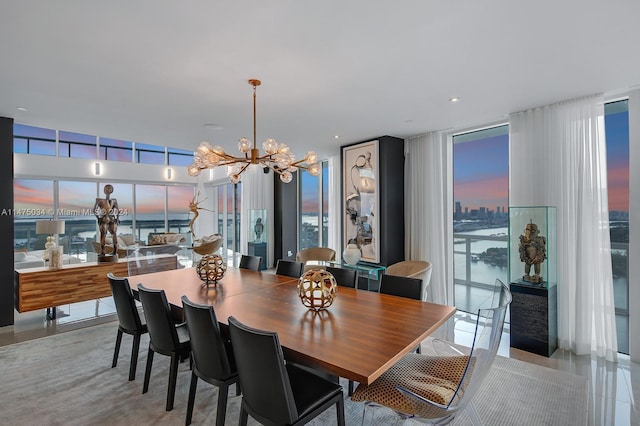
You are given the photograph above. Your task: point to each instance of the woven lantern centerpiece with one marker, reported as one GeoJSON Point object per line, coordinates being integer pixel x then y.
{"type": "Point", "coordinates": [211, 268]}
{"type": "Point", "coordinates": [317, 289]}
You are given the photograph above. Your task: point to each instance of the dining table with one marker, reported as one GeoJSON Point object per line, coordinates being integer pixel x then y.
{"type": "Point", "coordinates": [358, 337]}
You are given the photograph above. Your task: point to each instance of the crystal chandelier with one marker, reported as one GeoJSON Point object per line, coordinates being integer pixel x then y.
{"type": "Point", "coordinates": [277, 156]}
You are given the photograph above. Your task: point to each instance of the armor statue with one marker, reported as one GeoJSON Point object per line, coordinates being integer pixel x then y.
{"type": "Point", "coordinates": [532, 252]}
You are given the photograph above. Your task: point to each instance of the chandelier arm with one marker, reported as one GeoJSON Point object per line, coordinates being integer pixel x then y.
{"type": "Point", "coordinates": [300, 164]}
{"type": "Point", "coordinates": [243, 168]}
{"type": "Point", "coordinates": [232, 162]}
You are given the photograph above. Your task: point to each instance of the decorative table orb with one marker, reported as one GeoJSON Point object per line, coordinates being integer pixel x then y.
{"type": "Point", "coordinates": [351, 254]}
{"type": "Point", "coordinates": [211, 268]}
{"type": "Point", "coordinates": [317, 289]}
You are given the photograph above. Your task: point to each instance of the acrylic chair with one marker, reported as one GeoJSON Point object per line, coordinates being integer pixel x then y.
{"type": "Point", "coordinates": [315, 254]}
{"type": "Point", "coordinates": [434, 389]}
{"type": "Point", "coordinates": [165, 337]}
{"type": "Point", "coordinates": [289, 268]}
{"type": "Point", "coordinates": [344, 277]}
{"type": "Point", "coordinates": [413, 269]}
{"type": "Point", "coordinates": [129, 320]}
{"type": "Point", "coordinates": [212, 356]}
{"type": "Point", "coordinates": [275, 392]}
{"type": "Point", "coordinates": [252, 263]}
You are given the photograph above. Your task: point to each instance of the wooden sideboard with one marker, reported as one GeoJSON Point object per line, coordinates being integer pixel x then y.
{"type": "Point", "coordinates": [41, 288]}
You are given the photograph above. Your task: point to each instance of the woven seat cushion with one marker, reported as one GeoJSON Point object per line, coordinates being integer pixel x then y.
{"type": "Point", "coordinates": [434, 378]}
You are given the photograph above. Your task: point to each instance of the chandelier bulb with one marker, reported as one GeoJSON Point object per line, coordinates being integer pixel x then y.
{"type": "Point", "coordinates": [286, 176]}
{"type": "Point", "coordinates": [311, 157]}
{"type": "Point", "coordinates": [244, 145]}
{"type": "Point", "coordinates": [315, 169]}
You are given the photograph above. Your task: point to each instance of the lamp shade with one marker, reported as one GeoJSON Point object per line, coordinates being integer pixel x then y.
{"type": "Point", "coordinates": [50, 227]}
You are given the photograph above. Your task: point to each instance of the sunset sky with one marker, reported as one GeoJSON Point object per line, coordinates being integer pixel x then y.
{"type": "Point", "coordinates": [485, 183]}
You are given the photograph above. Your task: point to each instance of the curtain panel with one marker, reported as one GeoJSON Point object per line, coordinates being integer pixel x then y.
{"type": "Point", "coordinates": [557, 157]}
{"type": "Point", "coordinates": [257, 193]}
{"type": "Point", "coordinates": [335, 206]}
{"type": "Point", "coordinates": [429, 210]}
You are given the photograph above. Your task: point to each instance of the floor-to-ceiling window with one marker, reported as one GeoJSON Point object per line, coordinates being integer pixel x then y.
{"type": "Point", "coordinates": [33, 200]}
{"type": "Point", "coordinates": [75, 206]}
{"type": "Point", "coordinates": [150, 201]}
{"type": "Point", "coordinates": [227, 207]}
{"type": "Point", "coordinates": [178, 199]}
{"type": "Point", "coordinates": [617, 134]}
{"type": "Point", "coordinates": [313, 208]}
{"type": "Point", "coordinates": [480, 191]}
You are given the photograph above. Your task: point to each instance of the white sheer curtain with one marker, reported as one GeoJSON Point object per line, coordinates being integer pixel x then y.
{"type": "Point", "coordinates": [257, 193]}
{"type": "Point", "coordinates": [558, 158]}
{"type": "Point", "coordinates": [429, 209]}
{"type": "Point", "coordinates": [335, 206]}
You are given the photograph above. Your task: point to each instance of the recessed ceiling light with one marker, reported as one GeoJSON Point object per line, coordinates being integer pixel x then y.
{"type": "Point", "coordinates": [212, 126]}
{"type": "Point", "coordinates": [454, 99]}
{"type": "Point", "coordinates": [21, 108]}
{"type": "Point", "coordinates": [336, 136]}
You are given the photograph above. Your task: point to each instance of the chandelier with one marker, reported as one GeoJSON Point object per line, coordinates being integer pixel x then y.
{"type": "Point", "coordinates": [277, 156]}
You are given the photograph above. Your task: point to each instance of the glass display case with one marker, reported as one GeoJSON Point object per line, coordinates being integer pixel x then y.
{"type": "Point", "coordinates": [258, 235]}
{"type": "Point", "coordinates": [532, 246]}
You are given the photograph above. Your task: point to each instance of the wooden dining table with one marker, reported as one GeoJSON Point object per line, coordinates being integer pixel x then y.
{"type": "Point", "coordinates": [358, 337]}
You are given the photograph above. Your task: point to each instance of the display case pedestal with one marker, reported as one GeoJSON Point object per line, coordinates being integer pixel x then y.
{"type": "Point", "coordinates": [534, 318]}
{"type": "Point", "coordinates": [259, 249]}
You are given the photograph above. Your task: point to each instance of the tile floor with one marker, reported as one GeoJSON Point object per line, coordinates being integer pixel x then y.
{"type": "Point", "coordinates": [615, 387]}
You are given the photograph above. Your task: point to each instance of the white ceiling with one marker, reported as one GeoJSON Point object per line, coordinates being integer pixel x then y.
{"type": "Point", "coordinates": [157, 71]}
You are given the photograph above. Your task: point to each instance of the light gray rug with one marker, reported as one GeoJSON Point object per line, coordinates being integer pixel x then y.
{"type": "Point", "coordinates": [67, 379]}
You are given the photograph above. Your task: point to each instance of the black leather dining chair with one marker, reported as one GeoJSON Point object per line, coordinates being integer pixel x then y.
{"type": "Point", "coordinates": [344, 277]}
{"type": "Point", "coordinates": [129, 320]}
{"type": "Point", "coordinates": [289, 268]}
{"type": "Point", "coordinates": [250, 262]}
{"type": "Point", "coordinates": [212, 356]}
{"type": "Point", "coordinates": [401, 286]}
{"type": "Point", "coordinates": [166, 337]}
{"type": "Point", "coordinates": [276, 392]}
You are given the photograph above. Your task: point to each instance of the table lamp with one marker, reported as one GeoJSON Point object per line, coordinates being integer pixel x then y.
{"type": "Point", "coordinates": [51, 228]}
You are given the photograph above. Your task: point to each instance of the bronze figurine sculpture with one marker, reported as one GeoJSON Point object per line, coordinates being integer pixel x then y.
{"type": "Point", "coordinates": [532, 252]}
{"type": "Point", "coordinates": [108, 215]}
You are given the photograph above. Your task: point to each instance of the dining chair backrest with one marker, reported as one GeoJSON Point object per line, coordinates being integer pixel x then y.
{"type": "Point", "coordinates": [207, 345]}
{"type": "Point", "coordinates": [315, 254]}
{"type": "Point", "coordinates": [250, 262]}
{"type": "Point", "coordinates": [128, 316]}
{"type": "Point", "coordinates": [408, 268]}
{"type": "Point", "coordinates": [162, 331]}
{"type": "Point", "coordinates": [289, 268]}
{"type": "Point", "coordinates": [344, 277]}
{"type": "Point", "coordinates": [413, 269]}
{"type": "Point", "coordinates": [401, 286]}
{"type": "Point", "coordinates": [263, 379]}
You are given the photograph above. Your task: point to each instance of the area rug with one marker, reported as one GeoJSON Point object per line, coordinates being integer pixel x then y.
{"type": "Point", "coordinates": [67, 379]}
